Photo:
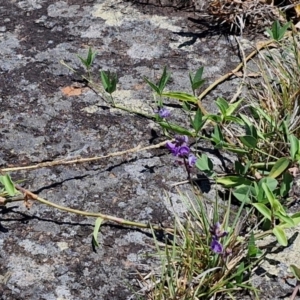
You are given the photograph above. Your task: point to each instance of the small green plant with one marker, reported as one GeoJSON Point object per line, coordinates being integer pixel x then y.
{"type": "Point", "coordinates": [88, 61]}
{"type": "Point", "coordinates": [109, 83]}
{"type": "Point", "coordinates": [277, 31]}
{"type": "Point", "coordinates": [158, 88]}
{"type": "Point", "coordinates": [197, 81]}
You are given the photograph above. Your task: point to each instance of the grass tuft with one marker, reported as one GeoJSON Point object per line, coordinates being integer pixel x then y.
{"type": "Point", "coordinates": [190, 268]}
{"type": "Point", "coordinates": [277, 95]}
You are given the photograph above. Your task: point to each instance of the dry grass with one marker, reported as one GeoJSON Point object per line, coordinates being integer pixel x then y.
{"type": "Point", "coordinates": [254, 15]}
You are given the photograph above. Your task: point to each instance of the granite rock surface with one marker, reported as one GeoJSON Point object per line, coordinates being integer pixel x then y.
{"type": "Point", "coordinates": [47, 113]}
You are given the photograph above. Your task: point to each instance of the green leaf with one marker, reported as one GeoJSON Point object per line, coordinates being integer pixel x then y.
{"type": "Point", "coordinates": [283, 30]}
{"type": "Point", "coordinates": [109, 81]}
{"type": "Point", "coordinates": [285, 219]}
{"type": "Point", "coordinates": [83, 61]}
{"type": "Point", "coordinates": [243, 193]}
{"type": "Point", "coordinates": [296, 218]}
{"type": "Point", "coordinates": [198, 122]}
{"type": "Point", "coordinates": [270, 182]}
{"type": "Point", "coordinates": [233, 181]}
{"type": "Point", "coordinates": [246, 120]}
{"type": "Point", "coordinates": [269, 31]}
{"type": "Point", "coordinates": [296, 271]}
{"type": "Point", "coordinates": [104, 79]}
{"type": "Point", "coordinates": [270, 196]}
{"type": "Point", "coordinates": [197, 84]}
{"type": "Point", "coordinates": [204, 163]}
{"type": "Point", "coordinates": [222, 105]}
{"type": "Point", "coordinates": [217, 135]}
{"type": "Point", "coordinates": [280, 235]}
{"type": "Point", "coordinates": [234, 119]}
{"type": "Point", "coordinates": [163, 80]}
{"type": "Point", "coordinates": [294, 146]}
{"type": "Point", "coordinates": [280, 166]}
{"type": "Point", "coordinates": [8, 185]}
{"type": "Point", "coordinates": [232, 108]}
{"type": "Point", "coordinates": [153, 86]}
{"type": "Point", "coordinates": [220, 145]}
{"type": "Point", "coordinates": [198, 75]}
{"type": "Point", "coordinates": [253, 250]}
{"type": "Point", "coordinates": [215, 118]}
{"type": "Point", "coordinates": [259, 191]}
{"type": "Point", "coordinates": [260, 195]}
{"type": "Point", "coordinates": [296, 221]}
{"type": "Point", "coordinates": [249, 141]}
{"type": "Point", "coordinates": [90, 57]}
{"type": "Point", "coordinates": [191, 80]}
{"type": "Point", "coordinates": [280, 209]}
{"type": "Point", "coordinates": [276, 31]}
{"type": "Point", "coordinates": [286, 184]}
{"type": "Point", "coordinates": [284, 127]}
{"type": "Point", "coordinates": [262, 114]}
{"type": "Point", "coordinates": [263, 209]}
{"type": "Point", "coordinates": [239, 275]}
{"type": "Point", "coordinates": [98, 223]}
{"type": "Point", "coordinates": [197, 81]}
{"type": "Point", "coordinates": [113, 84]}
{"type": "Point", "coordinates": [175, 128]}
{"type": "Point", "coordinates": [186, 106]}
{"type": "Point", "coordinates": [181, 96]}
{"type": "Point", "coordinates": [251, 130]}
{"type": "Point", "coordinates": [241, 168]}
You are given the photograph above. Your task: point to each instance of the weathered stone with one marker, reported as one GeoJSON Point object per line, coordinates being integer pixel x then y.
{"type": "Point", "coordinates": [47, 113]}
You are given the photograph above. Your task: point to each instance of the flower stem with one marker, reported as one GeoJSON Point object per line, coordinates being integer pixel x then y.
{"type": "Point", "coordinates": [29, 195]}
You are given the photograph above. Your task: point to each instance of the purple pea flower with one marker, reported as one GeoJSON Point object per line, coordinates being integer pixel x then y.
{"type": "Point", "coordinates": [181, 139]}
{"type": "Point", "coordinates": [183, 151]}
{"type": "Point", "coordinates": [164, 112]}
{"type": "Point", "coordinates": [192, 160]}
{"type": "Point", "coordinates": [217, 231]}
{"type": "Point", "coordinates": [216, 246]}
{"type": "Point", "coordinates": [179, 147]}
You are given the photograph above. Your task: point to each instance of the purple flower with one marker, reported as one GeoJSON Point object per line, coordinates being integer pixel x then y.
{"type": "Point", "coordinates": [163, 112]}
{"type": "Point", "coordinates": [180, 147]}
{"type": "Point", "coordinates": [192, 160]}
{"type": "Point", "coordinates": [181, 139]}
{"type": "Point", "coordinates": [216, 246]}
{"type": "Point", "coordinates": [217, 231]}
{"type": "Point", "coordinates": [183, 151]}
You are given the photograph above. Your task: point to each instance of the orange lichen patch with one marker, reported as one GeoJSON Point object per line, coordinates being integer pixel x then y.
{"type": "Point", "coordinates": [71, 91]}
{"type": "Point", "coordinates": [138, 87]}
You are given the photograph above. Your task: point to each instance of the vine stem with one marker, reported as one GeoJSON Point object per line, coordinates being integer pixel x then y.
{"type": "Point", "coordinates": [231, 73]}
{"type": "Point", "coordinates": [82, 160]}
{"type": "Point", "coordinates": [28, 195]}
